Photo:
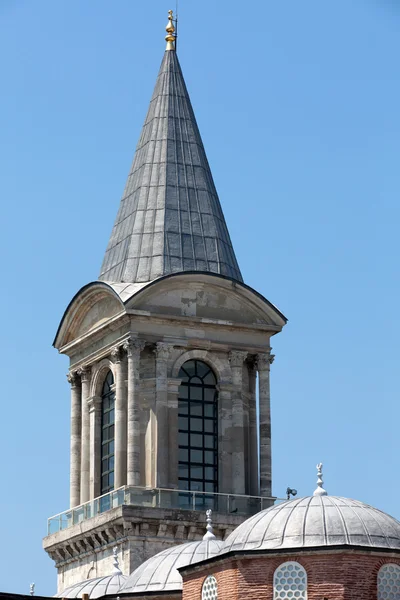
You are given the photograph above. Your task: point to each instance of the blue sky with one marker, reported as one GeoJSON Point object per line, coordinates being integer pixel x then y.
{"type": "Point", "coordinates": [298, 105]}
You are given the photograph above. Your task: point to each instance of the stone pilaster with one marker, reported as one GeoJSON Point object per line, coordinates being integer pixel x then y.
{"type": "Point", "coordinates": [76, 423]}
{"type": "Point", "coordinates": [163, 351]}
{"type": "Point", "coordinates": [133, 348]}
{"type": "Point", "coordinates": [253, 433]}
{"type": "Point", "coordinates": [94, 404]}
{"type": "Point", "coordinates": [85, 374]}
{"type": "Point", "coordinates": [236, 359]}
{"type": "Point", "coordinates": [118, 358]}
{"type": "Point", "coordinates": [264, 362]}
{"type": "Point", "coordinates": [225, 438]}
{"type": "Point", "coordinates": [173, 395]}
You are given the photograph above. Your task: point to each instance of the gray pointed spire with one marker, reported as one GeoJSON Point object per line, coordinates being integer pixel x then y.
{"type": "Point", "coordinates": [170, 219]}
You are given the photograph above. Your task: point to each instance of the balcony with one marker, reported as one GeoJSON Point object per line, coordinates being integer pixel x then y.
{"type": "Point", "coordinates": [159, 498]}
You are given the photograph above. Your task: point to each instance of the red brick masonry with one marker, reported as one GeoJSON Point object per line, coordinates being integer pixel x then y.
{"type": "Point", "coordinates": [333, 575]}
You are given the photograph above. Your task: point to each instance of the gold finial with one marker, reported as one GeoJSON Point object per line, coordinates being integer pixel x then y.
{"type": "Point", "coordinates": [170, 28]}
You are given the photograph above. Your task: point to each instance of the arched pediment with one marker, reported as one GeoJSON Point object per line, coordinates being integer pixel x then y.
{"type": "Point", "coordinates": [206, 296]}
{"type": "Point", "coordinates": [93, 305]}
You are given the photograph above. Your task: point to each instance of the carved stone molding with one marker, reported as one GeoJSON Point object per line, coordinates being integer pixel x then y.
{"type": "Point", "coordinates": [237, 358]}
{"type": "Point", "coordinates": [134, 346]}
{"type": "Point", "coordinates": [163, 350]}
{"type": "Point", "coordinates": [265, 360]}
{"type": "Point", "coordinates": [85, 373]}
{"type": "Point", "coordinates": [117, 354]}
{"type": "Point", "coordinates": [94, 403]}
{"type": "Point", "coordinates": [73, 378]}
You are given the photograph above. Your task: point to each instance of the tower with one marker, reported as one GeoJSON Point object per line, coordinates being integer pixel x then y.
{"type": "Point", "coordinates": [165, 350]}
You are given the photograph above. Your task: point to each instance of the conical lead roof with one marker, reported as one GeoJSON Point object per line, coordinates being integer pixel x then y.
{"type": "Point", "coordinates": [170, 219]}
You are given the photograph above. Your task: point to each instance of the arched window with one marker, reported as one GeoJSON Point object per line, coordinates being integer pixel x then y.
{"type": "Point", "coordinates": [198, 432]}
{"type": "Point", "coordinates": [209, 591]}
{"type": "Point", "coordinates": [290, 582]}
{"type": "Point", "coordinates": [389, 582]}
{"type": "Point", "coordinates": [107, 435]}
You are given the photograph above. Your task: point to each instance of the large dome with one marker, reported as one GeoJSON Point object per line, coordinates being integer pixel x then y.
{"type": "Point", "coordinates": [316, 521]}
{"type": "Point", "coordinates": [95, 588]}
{"type": "Point", "coordinates": [160, 573]}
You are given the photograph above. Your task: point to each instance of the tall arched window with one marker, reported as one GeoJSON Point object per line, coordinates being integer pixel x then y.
{"type": "Point", "coordinates": [198, 431]}
{"type": "Point", "coordinates": [107, 434]}
{"type": "Point", "coordinates": [290, 582]}
{"type": "Point", "coordinates": [389, 582]}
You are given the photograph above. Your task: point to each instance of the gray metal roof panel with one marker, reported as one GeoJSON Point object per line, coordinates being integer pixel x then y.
{"type": "Point", "coordinates": [170, 219]}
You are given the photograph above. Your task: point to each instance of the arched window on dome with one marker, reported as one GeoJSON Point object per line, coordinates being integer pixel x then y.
{"type": "Point", "coordinates": [198, 433]}
{"type": "Point", "coordinates": [107, 434]}
{"type": "Point", "coordinates": [389, 582]}
{"type": "Point", "coordinates": [290, 582]}
{"type": "Point", "coordinates": [209, 591]}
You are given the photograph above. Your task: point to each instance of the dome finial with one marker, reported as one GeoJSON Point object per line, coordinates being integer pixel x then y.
{"type": "Point", "coordinates": [170, 28]}
{"type": "Point", "coordinates": [210, 533]}
{"type": "Point", "coordinates": [32, 589]}
{"type": "Point", "coordinates": [116, 570]}
{"type": "Point", "coordinates": [320, 490]}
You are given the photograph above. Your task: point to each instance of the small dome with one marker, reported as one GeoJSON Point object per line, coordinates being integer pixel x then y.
{"type": "Point", "coordinates": [316, 521]}
{"type": "Point", "coordinates": [95, 588]}
{"type": "Point", "coordinates": [160, 572]}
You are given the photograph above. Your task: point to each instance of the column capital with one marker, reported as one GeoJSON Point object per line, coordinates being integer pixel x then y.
{"type": "Point", "coordinates": [237, 357]}
{"type": "Point", "coordinates": [163, 350]}
{"type": "Point", "coordinates": [117, 354]}
{"type": "Point", "coordinates": [134, 346]}
{"type": "Point", "coordinates": [73, 378]}
{"type": "Point", "coordinates": [94, 403]}
{"type": "Point", "coordinates": [84, 373]}
{"type": "Point", "coordinates": [265, 360]}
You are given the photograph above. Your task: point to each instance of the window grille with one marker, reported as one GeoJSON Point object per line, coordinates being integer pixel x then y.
{"type": "Point", "coordinates": [290, 582]}
{"type": "Point", "coordinates": [389, 582]}
{"type": "Point", "coordinates": [107, 435]}
{"type": "Point", "coordinates": [210, 589]}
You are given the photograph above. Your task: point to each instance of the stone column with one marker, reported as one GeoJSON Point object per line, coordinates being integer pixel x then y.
{"type": "Point", "coordinates": [94, 404]}
{"type": "Point", "coordinates": [224, 437]}
{"type": "Point", "coordinates": [162, 448]}
{"type": "Point", "coordinates": [173, 442]}
{"type": "Point", "coordinates": [237, 358]}
{"type": "Point", "coordinates": [264, 362]}
{"type": "Point", "coordinates": [76, 423]}
{"type": "Point", "coordinates": [85, 373]}
{"type": "Point", "coordinates": [133, 348]}
{"type": "Point", "coordinates": [253, 433]}
{"type": "Point", "coordinates": [118, 356]}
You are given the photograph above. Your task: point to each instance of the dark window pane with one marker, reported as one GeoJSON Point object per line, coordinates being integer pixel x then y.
{"type": "Point", "coordinates": [209, 457]}
{"type": "Point", "coordinates": [111, 447]}
{"type": "Point", "coordinates": [111, 463]}
{"type": "Point", "coordinates": [183, 439]}
{"type": "Point", "coordinates": [209, 487]}
{"type": "Point", "coordinates": [189, 368]}
{"type": "Point", "coordinates": [196, 409]}
{"type": "Point", "coordinates": [196, 440]}
{"type": "Point", "coordinates": [209, 473]}
{"type": "Point", "coordinates": [196, 393]}
{"type": "Point", "coordinates": [183, 471]}
{"type": "Point", "coordinates": [201, 368]}
{"type": "Point", "coordinates": [209, 441]}
{"type": "Point", "coordinates": [209, 410]}
{"type": "Point", "coordinates": [196, 472]}
{"type": "Point", "coordinates": [210, 379]}
{"type": "Point", "coordinates": [183, 392]}
{"type": "Point", "coordinates": [209, 425]}
{"type": "Point", "coordinates": [183, 408]}
{"type": "Point", "coordinates": [112, 416]}
{"type": "Point", "coordinates": [111, 478]}
{"type": "Point", "coordinates": [104, 465]}
{"type": "Point", "coordinates": [183, 423]}
{"type": "Point", "coordinates": [196, 456]}
{"type": "Point", "coordinates": [196, 380]}
{"type": "Point", "coordinates": [209, 395]}
{"type": "Point", "coordinates": [183, 455]}
{"type": "Point", "coordinates": [196, 424]}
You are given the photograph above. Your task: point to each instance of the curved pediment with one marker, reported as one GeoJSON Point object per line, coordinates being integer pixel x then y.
{"type": "Point", "coordinates": [93, 305]}
{"type": "Point", "coordinates": [207, 297]}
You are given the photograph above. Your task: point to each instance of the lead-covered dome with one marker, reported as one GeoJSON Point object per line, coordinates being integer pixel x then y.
{"type": "Point", "coordinates": [160, 573]}
{"type": "Point", "coordinates": [95, 588]}
{"type": "Point", "coordinates": [316, 521]}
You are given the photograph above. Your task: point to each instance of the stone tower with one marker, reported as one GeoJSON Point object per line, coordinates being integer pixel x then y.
{"type": "Point", "coordinates": [165, 350]}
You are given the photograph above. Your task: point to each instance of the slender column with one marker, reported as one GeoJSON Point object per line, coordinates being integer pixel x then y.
{"type": "Point", "coordinates": [264, 362]}
{"type": "Point", "coordinates": [236, 358]}
{"type": "Point", "coordinates": [120, 417]}
{"type": "Point", "coordinates": [173, 443]}
{"type": "Point", "coordinates": [85, 373]}
{"type": "Point", "coordinates": [94, 404]}
{"type": "Point", "coordinates": [225, 438]}
{"type": "Point", "coordinates": [133, 348]}
{"type": "Point", "coordinates": [253, 433]}
{"type": "Point", "coordinates": [75, 462]}
{"type": "Point", "coordinates": [162, 451]}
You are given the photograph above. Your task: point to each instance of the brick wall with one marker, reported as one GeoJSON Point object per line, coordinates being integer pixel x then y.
{"type": "Point", "coordinates": [332, 575]}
